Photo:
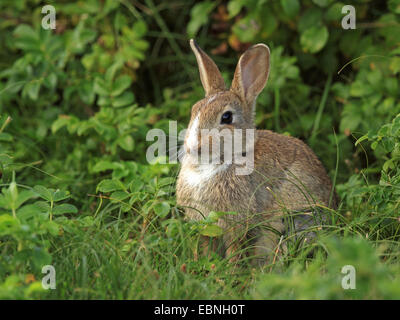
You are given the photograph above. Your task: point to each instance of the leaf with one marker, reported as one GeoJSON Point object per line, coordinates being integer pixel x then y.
{"type": "Point", "coordinates": [8, 224]}
{"type": "Point", "coordinates": [361, 139]}
{"type": "Point", "coordinates": [136, 186]}
{"type": "Point", "coordinates": [162, 209]}
{"type": "Point", "coordinates": [52, 227]}
{"type": "Point", "coordinates": [100, 87]}
{"type": "Point", "coordinates": [359, 88]}
{"type": "Point", "coordinates": [64, 208]}
{"type": "Point", "coordinates": [62, 121]}
{"type": "Point", "coordinates": [290, 7]}
{"type": "Point", "coordinates": [123, 100]}
{"type": "Point", "coordinates": [140, 28]}
{"type": "Point", "coordinates": [26, 38]}
{"type": "Point", "coordinates": [31, 210]}
{"type": "Point", "coordinates": [334, 12]}
{"type": "Point", "coordinates": [165, 181]}
{"type": "Point", "coordinates": [110, 185]}
{"type": "Point", "coordinates": [40, 257]}
{"type": "Point", "coordinates": [60, 195]}
{"type": "Point", "coordinates": [111, 71]}
{"type": "Point", "coordinates": [24, 196]}
{"type": "Point", "coordinates": [103, 165]}
{"type": "Point", "coordinates": [350, 122]}
{"type": "Point", "coordinates": [120, 85]}
{"type": "Point", "coordinates": [322, 3]}
{"type": "Point", "coordinates": [395, 65]}
{"type": "Point", "coordinates": [246, 29]}
{"type": "Point", "coordinates": [234, 7]}
{"type": "Point", "coordinates": [394, 6]}
{"type": "Point", "coordinates": [127, 143]}
{"type": "Point", "coordinates": [32, 89]}
{"type": "Point", "coordinates": [4, 136]}
{"type": "Point", "coordinates": [199, 16]}
{"type": "Point", "coordinates": [119, 196]}
{"type": "Point", "coordinates": [212, 230]}
{"type": "Point", "coordinates": [42, 206]}
{"type": "Point", "coordinates": [314, 39]}
{"type": "Point", "coordinates": [43, 192]}
{"type": "Point", "coordinates": [86, 92]}
{"type": "Point", "coordinates": [213, 216]}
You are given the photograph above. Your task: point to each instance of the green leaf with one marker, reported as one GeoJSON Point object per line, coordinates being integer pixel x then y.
{"type": "Point", "coordinates": [136, 186]}
{"type": "Point", "coordinates": [24, 196]}
{"type": "Point", "coordinates": [395, 65]}
{"type": "Point", "coordinates": [8, 224]}
{"type": "Point", "coordinates": [235, 6]}
{"type": "Point", "coordinates": [100, 87]}
{"type": "Point", "coordinates": [127, 143]}
{"type": "Point", "coordinates": [140, 28]}
{"type": "Point", "coordinates": [199, 16]}
{"type": "Point", "coordinates": [40, 257]}
{"type": "Point", "coordinates": [246, 29]}
{"type": "Point", "coordinates": [52, 227]}
{"type": "Point", "coordinates": [311, 17]}
{"type": "Point", "coordinates": [123, 100]}
{"type": "Point", "coordinates": [334, 12]}
{"type": "Point", "coordinates": [361, 139]}
{"type": "Point", "coordinates": [26, 38]}
{"type": "Point", "coordinates": [62, 121]}
{"type": "Point", "coordinates": [86, 92]}
{"type": "Point", "coordinates": [64, 208]}
{"type": "Point", "coordinates": [32, 89]}
{"type": "Point", "coordinates": [212, 230]}
{"type": "Point", "coordinates": [118, 196]}
{"type": "Point", "coordinates": [322, 3]}
{"type": "Point", "coordinates": [111, 71]}
{"type": "Point", "coordinates": [394, 6]}
{"type": "Point", "coordinates": [60, 195]}
{"type": "Point", "coordinates": [166, 181]}
{"type": "Point", "coordinates": [43, 192]}
{"type": "Point", "coordinates": [314, 39]}
{"type": "Point", "coordinates": [110, 185]}
{"type": "Point", "coordinates": [32, 210]}
{"type": "Point", "coordinates": [359, 88]}
{"type": "Point", "coordinates": [290, 7]}
{"type": "Point", "coordinates": [104, 165]}
{"type": "Point", "coordinates": [162, 209]}
{"type": "Point", "coordinates": [4, 136]}
{"type": "Point", "coordinates": [120, 85]}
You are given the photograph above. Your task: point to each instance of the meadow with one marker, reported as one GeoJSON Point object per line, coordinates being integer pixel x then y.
{"type": "Point", "coordinates": [76, 104]}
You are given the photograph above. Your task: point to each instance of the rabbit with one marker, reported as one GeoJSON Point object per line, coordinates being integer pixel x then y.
{"type": "Point", "coordinates": [286, 176]}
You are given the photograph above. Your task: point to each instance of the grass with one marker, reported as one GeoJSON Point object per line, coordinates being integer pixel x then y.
{"type": "Point", "coordinates": [135, 255]}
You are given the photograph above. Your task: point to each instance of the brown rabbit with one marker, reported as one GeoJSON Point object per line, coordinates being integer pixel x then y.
{"type": "Point", "coordinates": [286, 175]}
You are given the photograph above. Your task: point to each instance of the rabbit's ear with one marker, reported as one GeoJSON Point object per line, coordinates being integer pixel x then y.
{"type": "Point", "coordinates": [251, 73]}
{"type": "Point", "coordinates": [209, 74]}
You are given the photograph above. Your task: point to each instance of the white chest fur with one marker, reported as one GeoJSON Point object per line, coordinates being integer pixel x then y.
{"type": "Point", "coordinates": [202, 174]}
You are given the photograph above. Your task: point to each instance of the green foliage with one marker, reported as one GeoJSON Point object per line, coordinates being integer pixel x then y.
{"type": "Point", "coordinates": [77, 102]}
{"type": "Point", "coordinates": [322, 278]}
{"type": "Point", "coordinates": [28, 227]}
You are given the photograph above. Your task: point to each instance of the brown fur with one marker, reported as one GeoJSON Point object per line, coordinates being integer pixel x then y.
{"type": "Point", "coordinates": [287, 175]}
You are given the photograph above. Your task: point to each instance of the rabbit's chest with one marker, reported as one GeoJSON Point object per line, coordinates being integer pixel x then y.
{"type": "Point", "coordinates": [214, 189]}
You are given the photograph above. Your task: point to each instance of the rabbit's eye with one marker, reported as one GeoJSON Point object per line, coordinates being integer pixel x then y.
{"type": "Point", "coordinates": [226, 117]}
